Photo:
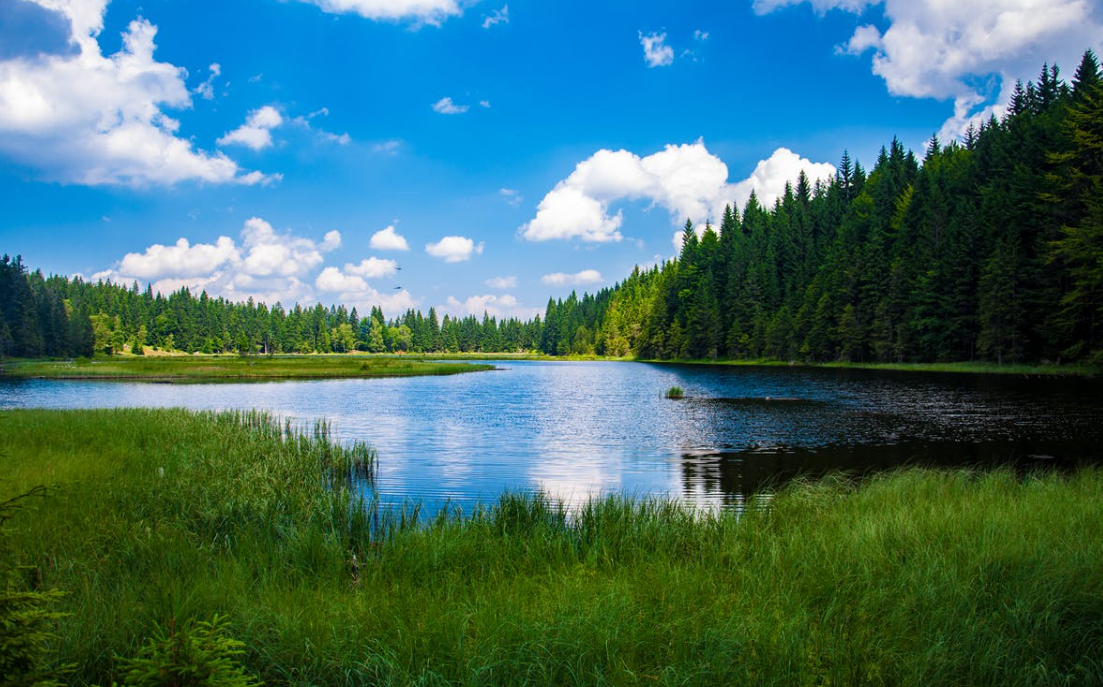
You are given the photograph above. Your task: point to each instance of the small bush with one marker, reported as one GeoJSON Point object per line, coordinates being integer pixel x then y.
{"type": "Point", "coordinates": [675, 392]}
{"type": "Point", "coordinates": [199, 654]}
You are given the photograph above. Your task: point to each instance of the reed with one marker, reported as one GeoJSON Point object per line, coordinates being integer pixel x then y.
{"type": "Point", "coordinates": [675, 392]}
{"type": "Point", "coordinates": [913, 577]}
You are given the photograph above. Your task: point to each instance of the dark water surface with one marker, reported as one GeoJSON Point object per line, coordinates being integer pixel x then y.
{"type": "Point", "coordinates": [575, 430]}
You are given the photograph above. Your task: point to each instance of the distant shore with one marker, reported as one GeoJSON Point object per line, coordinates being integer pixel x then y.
{"type": "Point", "coordinates": [171, 368]}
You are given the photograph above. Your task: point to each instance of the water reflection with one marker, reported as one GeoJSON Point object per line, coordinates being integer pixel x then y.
{"type": "Point", "coordinates": [575, 430]}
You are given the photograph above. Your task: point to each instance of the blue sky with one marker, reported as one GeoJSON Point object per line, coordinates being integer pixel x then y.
{"type": "Point", "coordinates": [498, 153]}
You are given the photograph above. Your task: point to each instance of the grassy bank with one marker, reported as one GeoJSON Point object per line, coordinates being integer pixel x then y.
{"type": "Point", "coordinates": [960, 367]}
{"type": "Point", "coordinates": [200, 368]}
{"type": "Point", "coordinates": [918, 577]}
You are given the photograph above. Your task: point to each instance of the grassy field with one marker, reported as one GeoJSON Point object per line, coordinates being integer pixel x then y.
{"type": "Point", "coordinates": [201, 368]}
{"type": "Point", "coordinates": [154, 517]}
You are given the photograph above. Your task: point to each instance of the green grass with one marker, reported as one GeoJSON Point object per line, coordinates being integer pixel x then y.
{"type": "Point", "coordinates": [675, 392]}
{"type": "Point", "coordinates": [975, 367]}
{"type": "Point", "coordinates": [186, 367]}
{"type": "Point", "coordinates": [913, 578]}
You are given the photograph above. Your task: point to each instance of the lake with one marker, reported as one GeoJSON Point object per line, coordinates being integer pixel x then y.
{"type": "Point", "coordinates": [578, 429]}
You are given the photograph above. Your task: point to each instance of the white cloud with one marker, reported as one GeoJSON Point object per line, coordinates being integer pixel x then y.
{"type": "Point", "coordinates": [580, 278]}
{"type": "Point", "coordinates": [181, 259]}
{"type": "Point", "coordinates": [655, 50]}
{"type": "Point", "coordinates": [387, 147]}
{"type": "Point", "coordinates": [266, 265]}
{"type": "Point", "coordinates": [511, 196]}
{"type": "Point", "coordinates": [939, 49]}
{"type": "Point", "coordinates": [388, 239]}
{"type": "Point", "coordinates": [502, 282]}
{"type": "Point", "coordinates": [332, 279]}
{"type": "Point", "coordinates": [92, 119]}
{"type": "Point", "coordinates": [206, 89]}
{"type": "Point", "coordinates": [373, 268]}
{"type": "Point", "coordinates": [700, 35]}
{"type": "Point", "coordinates": [484, 104]}
{"type": "Point", "coordinates": [256, 132]}
{"type": "Point", "coordinates": [432, 12]}
{"type": "Point", "coordinates": [497, 17]}
{"type": "Point", "coordinates": [446, 106]}
{"type": "Point", "coordinates": [454, 248]}
{"type": "Point", "coordinates": [686, 180]}
{"type": "Point", "coordinates": [505, 306]}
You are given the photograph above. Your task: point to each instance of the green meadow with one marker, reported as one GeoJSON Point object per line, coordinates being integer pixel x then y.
{"type": "Point", "coordinates": [152, 520]}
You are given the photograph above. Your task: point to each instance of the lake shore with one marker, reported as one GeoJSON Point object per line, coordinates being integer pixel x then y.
{"type": "Point", "coordinates": [153, 518]}
{"type": "Point", "coordinates": [231, 367]}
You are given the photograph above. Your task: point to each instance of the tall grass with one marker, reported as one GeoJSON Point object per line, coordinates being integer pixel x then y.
{"type": "Point", "coordinates": [917, 577]}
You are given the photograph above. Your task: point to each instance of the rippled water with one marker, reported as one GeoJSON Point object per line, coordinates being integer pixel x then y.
{"type": "Point", "coordinates": [578, 429]}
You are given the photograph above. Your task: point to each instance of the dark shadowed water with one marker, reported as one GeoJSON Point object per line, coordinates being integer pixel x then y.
{"type": "Point", "coordinates": [575, 430]}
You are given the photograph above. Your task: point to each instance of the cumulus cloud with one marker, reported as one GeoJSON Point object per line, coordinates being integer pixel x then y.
{"type": "Point", "coordinates": [504, 306]}
{"type": "Point", "coordinates": [179, 260]}
{"type": "Point", "coordinates": [935, 49]}
{"type": "Point", "coordinates": [86, 118]}
{"type": "Point", "coordinates": [497, 17]}
{"type": "Point", "coordinates": [655, 50]}
{"type": "Point", "coordinates": [388, 239]}
{"type": "Point", "coordinates": [256, 132]}
{"type": "Point", "coordinates": [454, 248]}
{"type": "Point", "coordinates": [332, 279]}
{"type": "Point", "coordinates": [432, 12]}
{"type": "Point", "coordinates": [686, 180]}
{"type": "Point", "coordinates": [579, 278]}
{"type": "Point", "coordinates": [502, 282]}
{"type": "Point", "coordinates": [373, 268]}
{"type": "Point", "coordinates": [446, 106]}
{"type": "Point", "coordinates": [265, 264]}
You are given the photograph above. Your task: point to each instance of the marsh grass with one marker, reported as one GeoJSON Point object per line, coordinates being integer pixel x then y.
{"type": "Point", "coordinates": [675, 392]}
{"type": "Point", "coordinates": [915, 577]}
{"type": "Point", "coordinates": [199, 368]}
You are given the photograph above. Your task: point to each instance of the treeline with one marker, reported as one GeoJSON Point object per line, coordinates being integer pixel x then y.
{"type": "Point", "coordinates": [57, 316]}
{"type": "Point", "coordinates": [991, 249]}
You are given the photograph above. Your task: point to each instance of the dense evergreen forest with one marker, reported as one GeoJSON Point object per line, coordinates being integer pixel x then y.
{"type": "Point", "coordinates": [988, 249]}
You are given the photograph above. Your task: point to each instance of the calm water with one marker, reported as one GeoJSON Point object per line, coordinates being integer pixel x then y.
{"type": "Point", "coordinates": [578, 429]}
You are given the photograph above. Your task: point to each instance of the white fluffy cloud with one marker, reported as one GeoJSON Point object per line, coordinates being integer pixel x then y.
{"type": "Point", "coordinates": [446, 106]}
{"type": "Point", "coordinates": [333, 279]}
{"type": "Point", "coordinates": [373, 268]}
{"type": "Point", "coordinates": [432, 12]}
{"type": "Point", "coordinates": [655, 50]}
{"type": "Point", "coordinates": [388, 239]}
{"type": "Point", "coordinates": [937, 49]}
{"type": "Point", "coordinates": [580, 278]}
{"type": "Point", "coordinates": [92, 119]}
{"type": "Point", "coordinates": [179, 260]}
{"type": "Point", "coordinates": [256, 132]}
{"type": "Point", "coordinates": [687, 180]}
{"type": "Point", "coordinates": [499, 307]}
{"type": "Point", "coordinates": [454, 248]}
{"type": "Point", "coordinates": [502, 282]}
{"type": "Point", "coordinates": [265, 265]}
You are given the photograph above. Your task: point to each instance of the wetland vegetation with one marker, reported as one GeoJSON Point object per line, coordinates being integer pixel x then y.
{"type": "Point", "coordinates": [232, 367]}
{"type": "Point", "coordinates": [164, 518]}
